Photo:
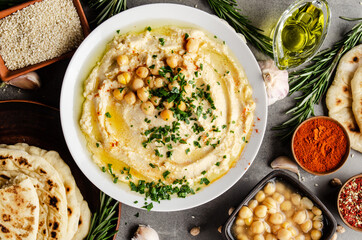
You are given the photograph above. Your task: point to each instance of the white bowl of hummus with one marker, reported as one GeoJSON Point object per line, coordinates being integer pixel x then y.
{"type": "Point", "coordinates": [163, 107]}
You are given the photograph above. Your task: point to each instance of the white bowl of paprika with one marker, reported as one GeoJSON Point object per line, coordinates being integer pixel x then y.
{"type": "Point", "coordinates": [320, 145]}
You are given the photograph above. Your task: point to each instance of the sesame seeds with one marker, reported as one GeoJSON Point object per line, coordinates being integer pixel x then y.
{"type": "Point", "coordinates": [39, 32]}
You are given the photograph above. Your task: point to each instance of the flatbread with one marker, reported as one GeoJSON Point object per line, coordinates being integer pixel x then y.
{"type": "Point", "coordinates": [49, 187]}
{"type": "Point", "coordinates": [339, 96]}
{"type": "Point", "coordinates": [19, 210]}
{"type": "Point", "coordinates": [356, 87]}
{"type": "Point", "coordinates": [77, 228]}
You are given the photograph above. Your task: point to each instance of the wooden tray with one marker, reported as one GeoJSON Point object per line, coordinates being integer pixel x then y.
{"type": "Point", "coordinates": [39, 125]}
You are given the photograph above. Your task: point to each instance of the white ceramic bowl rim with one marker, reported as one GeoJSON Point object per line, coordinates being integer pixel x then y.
{"type": "Point", "coordinates": [71, 99]}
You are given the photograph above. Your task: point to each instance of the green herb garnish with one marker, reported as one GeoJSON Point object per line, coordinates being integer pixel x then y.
{"type": "Point", "coordinates": [162, 41]}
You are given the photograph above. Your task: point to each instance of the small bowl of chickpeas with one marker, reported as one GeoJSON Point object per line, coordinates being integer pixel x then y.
{"type": "Point", "coordinates": [280, 208]}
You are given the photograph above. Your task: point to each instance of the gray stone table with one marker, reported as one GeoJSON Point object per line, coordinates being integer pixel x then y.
{"type": "Point", "coordinates": [176, 225]}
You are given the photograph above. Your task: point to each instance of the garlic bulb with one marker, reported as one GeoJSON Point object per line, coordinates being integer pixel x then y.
{"type": "Point", "coordinates": [276, 81]}
{"type": "Point", "coordinates": [286, 163]}
{"type": "Point", "coordinates": [145, 233]}
{"type": "Point", "coordinates": [28, 81]}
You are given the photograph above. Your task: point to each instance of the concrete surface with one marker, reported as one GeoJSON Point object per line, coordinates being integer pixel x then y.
{"type": "Point", "coordinates": [176, 225]}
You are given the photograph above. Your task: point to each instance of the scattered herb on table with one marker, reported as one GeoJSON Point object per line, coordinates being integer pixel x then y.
{"type": "Point", "coordinates": [108, 8]}
{"type": "Point", "coordinates": [104, 221]}
{"type": "Point", "coordinates": [313, 81]}
{"type": "Point", "coordinates": [227, 10]}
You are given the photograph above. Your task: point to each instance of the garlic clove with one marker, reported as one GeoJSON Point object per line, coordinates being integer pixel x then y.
{"type": "Point", "coordinates": [275, 80]}
{"type": "Point", "coordinates": [285, 163]}
{"type": "Point", "coordinates": [28, 81]}
{"type": "Point", "coordinates": [145, 233]}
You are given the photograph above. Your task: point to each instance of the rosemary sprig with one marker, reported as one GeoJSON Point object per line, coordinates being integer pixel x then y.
{"type": "Point", "coordinates": [227, 10]}
{"type": "Point", "coordinates": [104, 220]}
{"type": "Point", "coordinates": [110, 8]}
{"type": "Point", "coordinates": [313, 81]}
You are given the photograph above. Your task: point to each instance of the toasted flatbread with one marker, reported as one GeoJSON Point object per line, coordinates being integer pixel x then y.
{"type": "Point", "coordinates": [19, 210]}
{"type": "Point", "coordinates": [77, 228]}
{"type": "Point", "coordinates": [356, 88]}
{"type": "Point", "coordinates": [339, 95]}
{"type": "Point", "coordinates": [49, 187]}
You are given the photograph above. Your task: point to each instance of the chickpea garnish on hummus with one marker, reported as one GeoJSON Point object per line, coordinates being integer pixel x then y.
{"type": "Point", "coordinates": [179, 110]}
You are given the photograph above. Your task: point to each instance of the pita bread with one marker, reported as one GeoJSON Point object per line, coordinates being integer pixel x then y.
{"type": "Point", "coordinates": [356, 87]}
{"type": "Point", "coordinates": [19, 210]}
{"type": "Point", "coordinates": [339, 96]}
{"type": "Point", "coordinates": [49, 187]}
{"type": "Point", "coordinates": [73, 194]}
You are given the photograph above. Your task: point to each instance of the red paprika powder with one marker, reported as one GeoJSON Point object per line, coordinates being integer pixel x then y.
{"type": "Point", "coordinates": [320, 145]}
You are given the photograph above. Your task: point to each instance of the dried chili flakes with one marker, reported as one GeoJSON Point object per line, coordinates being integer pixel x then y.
{"type": "Point", "coordinates": [350, 202]}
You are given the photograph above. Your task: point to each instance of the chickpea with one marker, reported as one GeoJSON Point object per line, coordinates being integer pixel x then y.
{"type": "Point", "coordinates": [279, 187]}
{"type": "Point", "coordinates": [275, 228]}
{"type": "Point", "coordinates": [293, 231]}
{"type": "Point", "coordinates": [260, 196]}
{"type": "Point", "coordinates": [159, 82]}
{"type": "Point", "coordinates": [173, 85]}
{"type": "Point", "coordinates": [137, 84]}
{"type": "Point", "coordinates": [318, 225]}
{"type": "Point", "coordinates": [307, 237]}
{"type": "Point", "coordinates": [167, 104]}
{"type": "Point", "coordinates": [150, 82]}
{"type": "Point", "coordinates": [267, 227]}
{"type": "Point", "coordinates": [119, 93]}
{"type": "Point", "coordinates": [257, 227]}
{"type": "Point", "coordinates": [188, 90]}
{"type": "Point", "coordinates": [306, 203]}
{"type": "Point", "coordinates": [130, 98]}
{"type": "Point", "coordinates": [147, 108]}
{"type": "Point", "coordinates": [269, 188]}
{"type": "Point", "coordinates": [122, 60]}
{"type": "Point", "coordinates": [142, 72]}
{"type": "Point", "coordinates": [284, 234]}
{"type": "Point", "coordinates": [240, 222]}
{"type": "Point", "coordinates": [271, 204]}
{"type": "Point", "coordinates": [278, 197]}
{"type": "Point", "coordinates": [143, 94]}
{"type": "Point", "coordinates": [300, 217]}
{"type": "Point", "coordinates": [248, 221]}
{"type": "Point", "coordinates": [306, 226]}
{"type": "Point", "coordinates": [316, 211]}
{"type": "Point", "coordinates": [261, 211]}
{"type": "Point", "coordinates": [276, 218]}
{"type": "Point", "coordinates": [318, 218]}
{"type": "Point", "coordinates": [155, 70]}
{"type": "Point", "coordinates": [167, 115]}
{"type": "Point", "coordinates": [296, 199]}
{"type": "Point", "coordinates": [287, 194]}
{"type": "Point", "coordinates": [299, 237]}
{"type": "Point", "coordinates": [259, 237]}
{"type": "Point", "coordinates": [286, 206]}
{"type": "Point", "coordinates": [270, 237]}
{"type": "Point", "coordinates": [242, 237]}
{"type": "Point", "coordinates": [289, 213]}
{"type": "Point", "coordinates": [286, 224]}
{"type": "Point", "coordinates": [124, 78]}
{"type": "Point", "coordinates": [172, 61]}
{"type": "Point", "coordinates": [192, 45]}
{"type": "Point", "coordinates": [155, 100]}
{"type": "Point", "coordinates": [182, 106]}
{"type": "Point", "coordinates": [252, 204]}
{"type": "Point", "coordinates": [310, 214]}
{"type": "Point", "coordinates": [245, 212]}
{"type": "Point", "coordinates": [239, 230]}
{"type": "Point", "coordinates": [315, 234]}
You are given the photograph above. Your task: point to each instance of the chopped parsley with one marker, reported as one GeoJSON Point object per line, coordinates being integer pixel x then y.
{"type": "Point", "coordinates": [137, 215]}
{"type": "Point", "coordinates": [165, 174]}
{"type": "Point", "coordinates": [217, 163]}
{"type": "Point", "coordinates": [162, 41]}
{"type": "Point", "coordinates": [197, 144]}
{"type": "Point", "coordinates": [154, 56]}
{"type": "Point", "coordinates": [152, 66]}
{"type": "Point", "coordinates": [153, 165]}
{"type": "Point", "coordinates": [187, 151]}
{"type": "Point", "coordinates": [203, 172]}
{"type": "Point", "coordinates": [224, 156]}
{"type": "Point", "coordinates": [186, 36]}
{"type": "Point", "coordinates": [97, 145]}
{"type": "Point", "coordinates": [201, 66]}
{"type": "Point", "coordinates": [149, 28]}
{"type": "Point", "coordinates": [108, 115]}
{"type": "Point", "coordinates": [118, 31]}
{"type": "Point", "coordinates": [204, 180]}
{"type": "Point", "coordinates": [148, 206]}
{"type": "Point", "coordinates": [244, 139]}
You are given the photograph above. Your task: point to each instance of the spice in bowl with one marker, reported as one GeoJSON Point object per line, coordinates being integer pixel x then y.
{"type": "Point", "coordinates": [320, 145]}
{"type": "Point", "coordinates": [350, 203]}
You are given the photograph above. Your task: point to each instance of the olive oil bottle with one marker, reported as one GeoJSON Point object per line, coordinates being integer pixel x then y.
{"type": "Point", "coordinates": [299, 34]}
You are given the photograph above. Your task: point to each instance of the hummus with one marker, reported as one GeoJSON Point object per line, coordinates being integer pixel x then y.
{"type": "Point", "coordinates": [192, 124]}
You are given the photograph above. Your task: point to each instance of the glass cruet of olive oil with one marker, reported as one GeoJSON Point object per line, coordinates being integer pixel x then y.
{"type": "Point", "coordinates": [300, 32]}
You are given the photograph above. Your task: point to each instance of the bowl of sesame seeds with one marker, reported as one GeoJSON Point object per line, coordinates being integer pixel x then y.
{"type": "Point", "coordinates": [38, 33]}
{"type": "Point", "coordinates": [350, 203]}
